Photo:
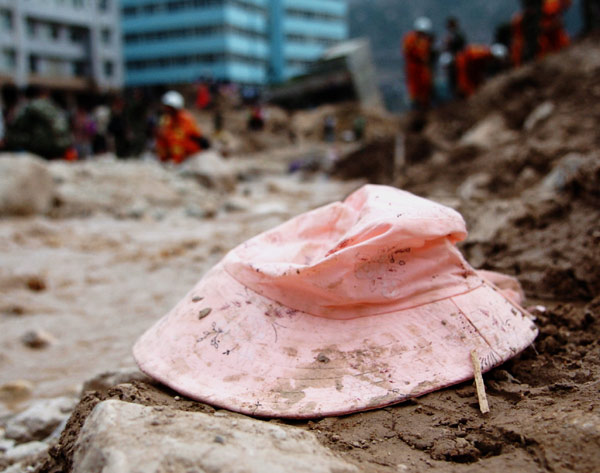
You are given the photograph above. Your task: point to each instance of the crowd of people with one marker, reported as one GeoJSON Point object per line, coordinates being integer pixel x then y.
{"type": "Point", "coordinates": [58, 125]}
{"type": "Point", "coordinates": [68, 127]}
{"type": "Point", "coordinates": [533, 33]}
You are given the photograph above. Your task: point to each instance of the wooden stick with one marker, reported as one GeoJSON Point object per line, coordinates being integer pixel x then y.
{"type": "Point", "coordinates": [483, 403]}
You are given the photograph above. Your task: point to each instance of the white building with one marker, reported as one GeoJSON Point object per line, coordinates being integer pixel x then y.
{"type": "Point", "coordinates": [68, 44]}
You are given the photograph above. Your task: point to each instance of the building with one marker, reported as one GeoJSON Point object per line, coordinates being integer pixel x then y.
{"type": "Point", "coordinates": [301, 31]}
{"type": "Point", "coordinates": [65, 44]}
{"type": "Point", "coordinates": [244, 41]}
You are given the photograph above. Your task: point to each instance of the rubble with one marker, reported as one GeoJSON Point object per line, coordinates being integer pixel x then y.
{"type": "Point", "coordinates": [26, 186]}
{"type": "Point", "coordinates": [183, 441]}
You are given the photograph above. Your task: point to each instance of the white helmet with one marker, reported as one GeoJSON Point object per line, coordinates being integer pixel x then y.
{"type": "Point", "coordinates": [423, 25]}
{"type": "Point", "coordinates": [173, 99]}
{"type": "Point", "coordinates": [446, 59]}
{"type": "Point", "coordinates": [499, 51]}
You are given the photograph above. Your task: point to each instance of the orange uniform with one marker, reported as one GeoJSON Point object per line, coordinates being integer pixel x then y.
{"type": "Point", "coordinates": [471, 65]}
{"type": "Point", "coordinates": [553, 36]}
{"type": "Point", "coordinates": [417, 54]}
{"type": "Point", "coordinates": [177, 137]}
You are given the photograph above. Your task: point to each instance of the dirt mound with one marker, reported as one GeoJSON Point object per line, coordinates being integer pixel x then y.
{"type": "Point", "coordinates": [373, 161]}
{"type": "Point", "coordinates": [527, 142]}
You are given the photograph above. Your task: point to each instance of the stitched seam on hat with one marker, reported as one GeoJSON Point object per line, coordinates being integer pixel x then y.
{"type": "Point", "coordinates": [476, 329]}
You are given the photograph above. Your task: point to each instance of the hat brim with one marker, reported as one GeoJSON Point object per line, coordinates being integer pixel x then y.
{"type": "Point", "coordinates": [251, 355]}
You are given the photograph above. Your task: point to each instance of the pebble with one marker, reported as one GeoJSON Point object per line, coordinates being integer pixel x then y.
{"type": "Point", "coordinates": [16, 391]}
{"type": "Point", "coordinates": [38, 339]}
{"type": "Point", "coordinates": [25, 451]}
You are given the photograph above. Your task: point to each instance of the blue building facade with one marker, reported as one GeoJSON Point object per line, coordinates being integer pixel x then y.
{"type": "Point", "coordinates": [245, 41]}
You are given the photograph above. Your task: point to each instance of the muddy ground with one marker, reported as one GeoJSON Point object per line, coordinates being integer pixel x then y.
{"type": "Point", "coordinates": [526, 180]}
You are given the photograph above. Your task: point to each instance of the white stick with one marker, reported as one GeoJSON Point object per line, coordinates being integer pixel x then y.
{"type": "Point", "coordinates": [483, 403]}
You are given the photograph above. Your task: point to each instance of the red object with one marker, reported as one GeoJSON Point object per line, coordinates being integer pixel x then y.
{"type": "Point", "coordinates": [177, 137]}
{"type": "Point", "coordinates": [203, 98]}
{"type": "Point", "coordinates": [70, 154]}
{"type": "Point", "coordinates": [417, 53]}
{"type": "Point", "coordinates": [471, 64]}
{"type": "Point", "coordinates": [553, 35]}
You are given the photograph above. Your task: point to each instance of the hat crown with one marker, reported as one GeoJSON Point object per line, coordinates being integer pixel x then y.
{"type": "Point", "coordinates": [380, 250]}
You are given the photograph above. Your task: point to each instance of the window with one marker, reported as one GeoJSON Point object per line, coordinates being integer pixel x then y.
{"type": "Point", "coordinates": [6, 23]}
{"type": "Point", "coordinates": [103, 5]}
{"type": "Point", "coordinates": [78, 35]}
{"type": "Point", "coordinates": [79, 68]}
{"type": "Point", "coordinates": [31, 28]}
{"type": "Point", "coordinates": [34, 64]}
{"type": "Point", "coordinates": [108, 68]}
{"type": "Point", "coordinates": [106, 36]}
{"type": "Point", "coordinates": [55, 31]}
{"type": "Point", "coordinates": [7, 60]}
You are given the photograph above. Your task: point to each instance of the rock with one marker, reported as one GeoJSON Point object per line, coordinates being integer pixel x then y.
{"type": "Point", "coordinates": [16, 468]}
{"type": "Point", "coordinates": [563, 172]}
{"type": "Point", "coordinates": [39, 420]}
{"type": "Point", "coordinates": [15, 391]}
{"type": "Point", "coordinates": [475, 187]}
{"type": "Point", "coordinates": [488, 133]}
{"type": "Point", "coordinates": [6, 444]}
{"type": "Point", "coordinates": [109, 379]}
{"type": "Point", "coordinates": [186, 441]}
{"type": "Point", "coordinates": [25, 451]}
{"type": "Point", "coordinates": [26, 186]}
{"type": "Point", "coordinates": [210, 170]}
{"type": "Point", "coordinates": [539, 114]}
{"type": "Point", "coordinates": [38, 339]}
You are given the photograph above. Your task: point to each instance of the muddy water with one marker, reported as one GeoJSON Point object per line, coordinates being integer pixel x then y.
{"type": "Point", "coordinates": [95, 284]}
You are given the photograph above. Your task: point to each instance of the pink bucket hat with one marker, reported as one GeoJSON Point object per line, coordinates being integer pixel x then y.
{"type": "Point", "coordinates": [352, 306]}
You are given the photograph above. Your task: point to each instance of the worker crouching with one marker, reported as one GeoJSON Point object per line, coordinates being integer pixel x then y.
{"type": "Point", "coordinates": [178, 136]}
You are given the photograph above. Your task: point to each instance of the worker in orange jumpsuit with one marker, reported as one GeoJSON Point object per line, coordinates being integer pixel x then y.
{"type": "Point", "coordinates": [418, 56]}
{"type": "Point", "coordinates": [178, 135]}
{"type": "Point", "coordinates": [550, 31]}
{"type": "Point", "coordinates": [475, 63]}
{"type": "Point", "coordinates": [553, 36]}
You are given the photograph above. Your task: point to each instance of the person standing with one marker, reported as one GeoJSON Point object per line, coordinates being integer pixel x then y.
{"type": "Point", "coordinates": [553, 35]}
{"type": "Point", "coordinates": [591, 15]}
{"type": "Point", "coordinates": [418, 56]}
{"type": "Point", "coordinates": [454, 42]}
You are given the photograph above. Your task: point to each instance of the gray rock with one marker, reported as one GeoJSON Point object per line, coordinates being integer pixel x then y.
{"type": "Point", "coordinates": [26, 451]}
{"type": "Point", "coordinates": [17, 468]}
{"type": "Point", "coordinates": [39, 420]}
{"type": "Point", "coordinates": [6, 444]}
{"type": "Point", "coordinates": [38, 339]}
{"type": "Point", "coordinates": [540, 113]}
{"type": "Point", "coordinates": [211, 171]}
{"type": "Point", "coordinates": [489, 133]}
{"type": "Point", "coordinates": [120, 437]}
{"type": "Point", "coordinates": [26, 186]}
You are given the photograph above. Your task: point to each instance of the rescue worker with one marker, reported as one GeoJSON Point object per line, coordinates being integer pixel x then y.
{"type": "Point", "coordinates": [40, 127]}
{"type": "Point", "coordinates": [590, 10]}
{"type": "Point", "coordinates": [538, 30]}
{"type": "Point", "coordinates": [418, 57]}
{"type": "Point", "coordinates": [454, 42]}
{"type": "Point", "coordinates": [476, 63]}
{"type": "Point", "coordinates": [553, 36]}
{"type": "Point", "coordinates": [178, 136]}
